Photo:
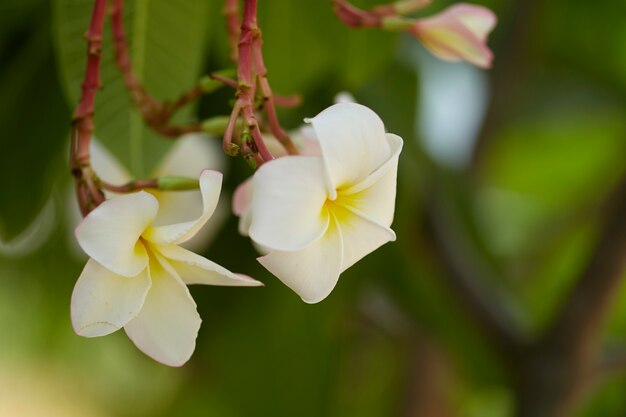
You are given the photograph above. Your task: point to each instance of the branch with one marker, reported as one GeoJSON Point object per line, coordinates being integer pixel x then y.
{"type": "Point", "coordinates": [251, 74]}
{"type": "Point", "coordinates": [88, 193]}
{"type": "Point", "coordinates": [355, 17]}
{"type": "Point", "coordinates": [155, 113]}
{"type": "Point", "coordinates": [556, 371]}
{"type": "Point", "coordinates": [587, 306]}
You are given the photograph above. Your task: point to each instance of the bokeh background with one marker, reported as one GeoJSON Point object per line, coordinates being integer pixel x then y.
{"type": "Point", "coordinates": [508, 166]}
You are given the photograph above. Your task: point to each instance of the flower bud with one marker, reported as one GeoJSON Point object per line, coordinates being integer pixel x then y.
{"type": "Point", "coordinates": [458, 33]}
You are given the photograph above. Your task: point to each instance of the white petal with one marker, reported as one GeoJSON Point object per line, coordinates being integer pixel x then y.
{"type": "Point", "coordinates": [210, 185]}
{"type": "Point", "coordinates": [376, 194]}
{"type": "Point", "coordinates": [110, 233]}
{"type": "Point", "coordinates": [352, 138]}
{"type": "Point", "coordinates": [361, 235]}
{"type": "Point", "coordinates": [167, 326]}
{"type": "Point", "coordinates": [288, 199]}
{"type": "Point", "coordinates": [191, 154]}
{"type": "Point", "coordinates": [106, 165]}
{"type": "Point", "coordinates": [195, 269]}
{"type": "Point", "coordinates": [103, 302]}
{"type": "Point", "coordinates": [311, 272]}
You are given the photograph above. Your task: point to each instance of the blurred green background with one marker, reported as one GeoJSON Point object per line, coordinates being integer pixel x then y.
{"type": "Point", "coordinates": [515, 160]}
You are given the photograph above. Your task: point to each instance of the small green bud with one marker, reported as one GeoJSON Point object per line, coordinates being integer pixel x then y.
{"type": "Point", "coordinates": [177, 183]}
{"type": "Point", "coordinates": [215, 125]}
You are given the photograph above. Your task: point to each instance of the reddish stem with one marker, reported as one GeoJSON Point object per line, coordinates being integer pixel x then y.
{"type": "Point", "coordinates": [227, 81]}
{"type": "Point", "coordinates": [138, 94]}
{"type": "Point", "coordinates": [156, 114]}
{"type": "Point", "coordinates": [270, 108]}
{"type": "Point", "coordinates": [357, 18]}
{"type": "Point", "coordinates": [88, 193]}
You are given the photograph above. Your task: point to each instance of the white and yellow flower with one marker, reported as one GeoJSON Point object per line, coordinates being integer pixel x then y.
{"type": "Point", "coordinates": [137, 274]}
{"type": "Point", "coordinates": [318, 215]}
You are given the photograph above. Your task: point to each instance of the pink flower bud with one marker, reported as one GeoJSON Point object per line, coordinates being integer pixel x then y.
{"type": "Point", "coordinates": [458, 33]}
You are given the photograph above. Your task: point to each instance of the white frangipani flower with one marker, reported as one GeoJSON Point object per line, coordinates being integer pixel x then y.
{"type": "Point", "coordinates": [318, 215]}
{"type": "Point", "coordinates": [190, 154]}
{"type": "Point", "coordinates": [137, 274]}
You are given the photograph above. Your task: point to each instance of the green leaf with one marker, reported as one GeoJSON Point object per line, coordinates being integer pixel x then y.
{"type": "Point", "coordinates": [167, 44]}
{"type": "Point", "coordinates": [33, 124]}
{"type": "Point", "coordinates": [304, 43]}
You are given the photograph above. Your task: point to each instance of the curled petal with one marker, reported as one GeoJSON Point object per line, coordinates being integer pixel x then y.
{"type": "Point", "coordinates": [110, 233]}
{"type": "Point", "coordinates": [375, 195]}
{"type": "Point", "coordinates": [191, 154]}
{"type": "Point", "coordinates": [195, 269]}
{"type": "Point", "coordinates": [167, 326]}
{"type": "Point", "coordinates": [210, 185]}
{"type": "Point", "coordinates": [287, 203]}
{"type": "Point", "coordinates": [103, 302]}
{"type": "Point", "coordinates": [311, 272]}
{"type": "Point", "coordinates": [458, 33]}
{"type": "Point", "coordinates": [352, 139]}
{"type": "Point", "coordinates": [361, 235]}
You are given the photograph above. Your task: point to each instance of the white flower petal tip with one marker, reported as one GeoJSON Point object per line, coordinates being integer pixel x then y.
{"type": "Point", "coordinates": [110, 233]}
{"type": "Point", "coordinates": [347, 194]}
{"type": "Point", "coordinates": [196, 269]}
{"type": "Point", "coordinates": [458, 33]}
{"type": "Point", "coordinates": [250, 281]}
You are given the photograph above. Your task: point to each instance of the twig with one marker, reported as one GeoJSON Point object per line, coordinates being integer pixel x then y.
{"type": "Point", "coordinates": [251, 74]}
{"type": "Point", "coordinates": [88, 194]}
{"type": "Point", "coordinates": [570, 344]}
{"type": "Point", "coordinates": [156, 114]}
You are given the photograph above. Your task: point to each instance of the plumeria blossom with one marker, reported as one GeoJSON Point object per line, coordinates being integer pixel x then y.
{"type": "Point", "coordinates": [137, 274]}
{"type": "Point", "coordinates": [458, 33]}
{"type": "Point", "coordinates": [305, 140]}
{"type": "Point", "coordinates": [318, 215]}
{"type": "Point", "coordinates": [189, 155]}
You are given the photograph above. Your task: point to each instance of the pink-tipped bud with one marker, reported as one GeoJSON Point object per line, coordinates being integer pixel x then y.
{"type": "Point", "coordinates": [458, 33]}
